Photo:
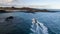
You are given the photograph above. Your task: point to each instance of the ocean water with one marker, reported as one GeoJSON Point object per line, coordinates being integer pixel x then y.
{"type": "Point", "coordinates": [47, 23]}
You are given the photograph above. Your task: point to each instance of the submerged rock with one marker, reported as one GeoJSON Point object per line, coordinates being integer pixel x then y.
{"type": "Point", "coordinates": [9, 18]}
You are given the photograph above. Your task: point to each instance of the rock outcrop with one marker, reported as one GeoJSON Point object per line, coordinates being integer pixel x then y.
{"type": "Point", "coordinates": [9, 18]}
{"type": "Point", "coordinates": [2, 11]}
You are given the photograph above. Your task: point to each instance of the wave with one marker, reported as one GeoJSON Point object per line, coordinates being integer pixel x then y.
{"type": "Point", "coordinates": [38, 27]}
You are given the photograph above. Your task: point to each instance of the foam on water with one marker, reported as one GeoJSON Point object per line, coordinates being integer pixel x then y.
{"type": "Point", "coordinates": [38, 28]}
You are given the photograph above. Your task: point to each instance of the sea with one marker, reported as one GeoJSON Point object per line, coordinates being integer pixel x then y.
{"type": "Point", "coordinates": [23, 23]}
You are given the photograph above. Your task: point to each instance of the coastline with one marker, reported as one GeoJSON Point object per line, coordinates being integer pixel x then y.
{"type": "Point", "coordinates": [22, 9]}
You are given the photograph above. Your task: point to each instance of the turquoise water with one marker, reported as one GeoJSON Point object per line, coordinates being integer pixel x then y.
{"type": "Point", "coordinates": [22, 22]}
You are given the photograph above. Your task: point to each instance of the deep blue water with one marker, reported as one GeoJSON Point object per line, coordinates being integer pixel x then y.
{"type": "Point", "coordinates": [22, 22]}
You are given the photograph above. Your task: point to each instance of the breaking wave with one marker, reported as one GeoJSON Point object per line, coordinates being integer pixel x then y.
{"type": "Point", "coordinates": [38, 27]}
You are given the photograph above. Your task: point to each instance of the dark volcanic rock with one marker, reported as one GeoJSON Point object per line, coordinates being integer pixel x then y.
{"type": "Point", "coordinates": [2, 11]}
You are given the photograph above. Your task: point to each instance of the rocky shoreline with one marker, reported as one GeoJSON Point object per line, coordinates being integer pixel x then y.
{"type": "Point", "coordinates": [27, 9]}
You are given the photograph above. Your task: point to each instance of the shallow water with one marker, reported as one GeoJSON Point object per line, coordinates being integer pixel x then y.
{"type": "Point", "coordinates": [21, 24]}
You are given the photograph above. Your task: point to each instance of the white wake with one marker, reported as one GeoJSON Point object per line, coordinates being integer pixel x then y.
{"type": "Point", "coordinates": [38, 28]}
